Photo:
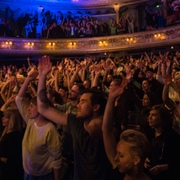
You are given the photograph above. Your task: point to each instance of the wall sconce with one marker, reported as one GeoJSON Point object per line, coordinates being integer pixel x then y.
{"type": "Point", "coordinates": [8, 44]}
{"type": "Point", "coordinates": [52, 44]}
{"type": "Point", "coordinates": [30, 44]}
{"type": "Point", "coordinates": [157, 35]}
{"type": "Point", "coordinates": [73, 43]}
{"type": "Point", "coordinates": [130, 40]}
{"type": "Point", "coordinates": [102, 43]}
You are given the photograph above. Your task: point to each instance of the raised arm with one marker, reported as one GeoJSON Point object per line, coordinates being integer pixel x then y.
{"type": "Point", "coordinates": [108, 124]}
{"type": "Point", "coordinates": [42, 101]}
{"type": "Point", "coordinates": [165, 93]}
{"type": "Point", "coordinates": [78, 67]}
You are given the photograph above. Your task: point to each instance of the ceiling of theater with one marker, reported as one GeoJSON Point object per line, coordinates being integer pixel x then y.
{"type": "Point", "coordinates": [70, 3]}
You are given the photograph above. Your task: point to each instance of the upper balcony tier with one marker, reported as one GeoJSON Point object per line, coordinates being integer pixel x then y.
{"type": "Point", "coordinates": [147, 39]}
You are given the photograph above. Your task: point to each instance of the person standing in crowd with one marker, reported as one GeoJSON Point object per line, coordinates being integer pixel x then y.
{"type": "Point", "coordinates": [11, 145]}
{"type": "Point", "coordinates": [39, 30]}
{"type": "Point", "coordinates": [41, 147]}
{"type": "Point", "coordinates": [163, 161]}
{"type": "Point", "coordinates": [90, 161]}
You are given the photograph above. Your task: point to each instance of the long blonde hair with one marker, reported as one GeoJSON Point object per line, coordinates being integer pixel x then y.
{"type": "Point", "coordinates": [16, 122]}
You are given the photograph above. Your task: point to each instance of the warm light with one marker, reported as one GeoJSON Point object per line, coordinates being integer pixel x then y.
{"type": "Point", "coordinates": [50, 44]}
{"type": "Point", "coordinates": [105, 54]}
{"type": "Point", "coordinates": [100, 42]}
{"type": "Point", "coordinates": [155, 35]}
{"type": "Point", "coordinates": [103, 42]}
{"type": "Point", "coordinates": [159, 35]}
{"type": "Point", "coordinates": [29, 43]}
{"type": "Point", "coordinates": [131, 39]}
{"type": "Point", "coordinates": [127, 39]}
{"type": "Point", "coordinates": [7, 42]}
{"type": "Point", "coordinates": [10, 43]}
{"type": "Point", "coordinates": [32, 44]}
{"type": "Point", "coordinates": [53, 44]}
{"type": "Point", "coordinates": [172, 47]}
{"type": "Point", "coordinates": [70, 43]}
{"type": "Point", "coordinates": [74, 43]}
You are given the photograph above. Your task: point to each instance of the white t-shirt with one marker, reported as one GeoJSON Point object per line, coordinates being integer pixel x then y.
{"type": "Point", "coordinates": [41, 147]}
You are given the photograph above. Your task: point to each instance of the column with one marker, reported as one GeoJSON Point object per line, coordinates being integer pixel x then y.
{"type": "Point", "coordinates": [116, 8]}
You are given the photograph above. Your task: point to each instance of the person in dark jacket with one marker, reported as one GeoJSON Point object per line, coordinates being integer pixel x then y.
{"type": "Point", "coordinates": [11, 145]}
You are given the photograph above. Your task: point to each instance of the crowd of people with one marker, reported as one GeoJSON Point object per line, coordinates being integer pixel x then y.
{"type": "Point", "coordinates": [50, 25]}
{"type": "Point", "coordinates": [70, 119]}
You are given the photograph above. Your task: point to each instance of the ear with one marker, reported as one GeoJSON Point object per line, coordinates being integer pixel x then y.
{"type": "Point", "coordinates": [96, 107]}
{"type": "Point", "coordinates": [136, 160]}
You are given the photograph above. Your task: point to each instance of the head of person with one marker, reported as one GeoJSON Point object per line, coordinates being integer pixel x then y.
{"type": "Point", "coordinates": [141, 74]}
{"type": "Point", "coordinates": [109, 78]}
{"type": "Point", "coordinates": [149, 73]}
{"type": "Point", "coordinates": [87, 84]}
{"type": "Point", "coordinates": [75, 92]}
{"type": "Point", "coordinates": [146, 85]}
{"type": "Point", "coordinates": [177, 78]}
{"type": "Point", "coordinates": [115, 83]}
{"type": "Point", "coordinates": [32, 109]}
{"type": "Point", "coordinates": [92, 104]}
{"type": "Point", "coordinates": [63, 91]}
{"type": "Point", "coordinates": [160, 116]}
{"type": "Point", "coordinates": [56, 97]}
{"type": "Point", "coordinates": [122, 74]}
{"type": "Point", "coordinates": [12, 120]}
{"type": "Point", "coordinates": [132, 151]}
{"type": "Point", "coordinates": [150, 99]}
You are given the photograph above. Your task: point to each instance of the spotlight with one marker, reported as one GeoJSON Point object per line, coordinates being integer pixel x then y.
{"type": "Point", "coordinates": [155, 35]}
{"type": "Point", "coordinates": [32, 44]}
{"type": "Point", "coordinates": [74, 43]}
{"type": "Point", "coordinates": [29, 43]}
{"type": "Point", "coordinates": [159, 35]}
{"type": "Point", "coordinates": [7, 43]}
{"type": "Point", "coordinates": [127, 39]}
{"type": "Point", "coordinates": [53, 44]}
{"type": "Point", "coordinates": [172, 47]}
{"type": "Point", "coordinates": [131, 39]}
{"type": "Point", "coordinates": [105, 54]}
{"type": "Point", "coordinates": [10, 43]}
{"type": "Point", "coordinates": [100, 42]}
{"type": "Point", "coordinates": [103, 42]}
{"type": "Point", "coordinates": [50, 43]}
{"type": "Point", "coordinates": [70, 43]}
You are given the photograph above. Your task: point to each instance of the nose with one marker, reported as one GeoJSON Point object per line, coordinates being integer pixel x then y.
{"type": "Point", "coordinates": [116, 158]}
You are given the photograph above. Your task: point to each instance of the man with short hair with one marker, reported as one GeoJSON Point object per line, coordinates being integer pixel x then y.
{"type": "Point", "coordinates": [90, 160]}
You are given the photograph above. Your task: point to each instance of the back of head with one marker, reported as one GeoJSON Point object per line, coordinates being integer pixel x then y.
{"type": "Point", "coordinates": [137, 142]}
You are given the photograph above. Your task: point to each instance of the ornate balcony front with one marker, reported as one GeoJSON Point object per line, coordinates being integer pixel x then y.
{"type": "Point", "coordinates": [146, 39]}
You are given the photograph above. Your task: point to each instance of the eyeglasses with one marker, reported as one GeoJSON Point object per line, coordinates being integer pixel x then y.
{"type": "Point", "coordinates": [73, 91]}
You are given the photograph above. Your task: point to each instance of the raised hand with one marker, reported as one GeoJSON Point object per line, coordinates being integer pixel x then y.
{"type": "Point", "coordinates": [45, 66]}
{"type": "Point", "coordinates": [119, 90]}
{"type": "Point", "coordinates": [12, 98]}
{"type": "Point", "coordinates": [78, 67]}
{"type": "Point", "coordinates": [32, 76]}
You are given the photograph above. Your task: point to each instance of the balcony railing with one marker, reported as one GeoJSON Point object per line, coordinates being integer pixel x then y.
{"type": "Point", "coordinates": [146, 39]}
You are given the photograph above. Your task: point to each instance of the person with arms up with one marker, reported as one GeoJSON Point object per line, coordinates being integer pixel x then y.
{"type": "Point", "coordinates": [90, 160]}
{"type": "Point", "coordinates": [41, 148]}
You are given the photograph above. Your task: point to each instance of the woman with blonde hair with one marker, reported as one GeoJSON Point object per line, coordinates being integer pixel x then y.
{"type": "Point", "coordinates": [11, 145]}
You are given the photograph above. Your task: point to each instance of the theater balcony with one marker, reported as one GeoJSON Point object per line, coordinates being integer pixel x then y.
{"type": "Point", "coordinates": [147, 39]}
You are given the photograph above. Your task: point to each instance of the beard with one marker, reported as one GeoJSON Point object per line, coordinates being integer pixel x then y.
{"type": "Point", "coordinates": [85, 117]}
{"type": "Point", "coordinates": [72, 98]}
